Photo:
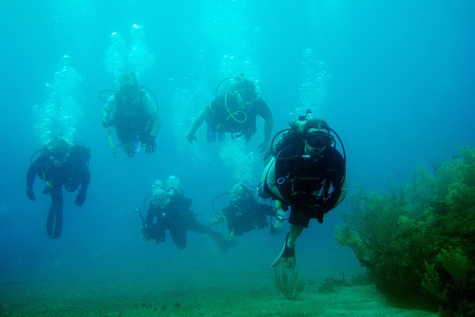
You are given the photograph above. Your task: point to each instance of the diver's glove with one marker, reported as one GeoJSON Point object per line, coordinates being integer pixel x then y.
{"type": "Point", "coordinates": [30, 194]}
{"type": "Point", "coordinates": [80, 199]}
{"type": "Point", "coordinates": [151, 144]}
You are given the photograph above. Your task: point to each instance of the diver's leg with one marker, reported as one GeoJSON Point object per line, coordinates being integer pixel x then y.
{"type": "Point", "coordinates": [286, 256]}
{"type": "Point", "coordinates": [178, 234]}
{"type": "Point", "coordinates": [217, 237]}
{"type": "Point", "coordinates": [295, 232]}
{"type": "Point", "coordinates": [54, 224]}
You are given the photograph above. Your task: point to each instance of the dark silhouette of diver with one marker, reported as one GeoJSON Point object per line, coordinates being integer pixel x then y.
{"type": "Point", "coordinates": [60, 164]}
{"type": "Point", "coordinates": [169, 209]}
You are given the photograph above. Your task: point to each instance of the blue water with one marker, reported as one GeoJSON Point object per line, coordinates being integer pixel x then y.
{"type": "Point", "coordinates": [393, 78]}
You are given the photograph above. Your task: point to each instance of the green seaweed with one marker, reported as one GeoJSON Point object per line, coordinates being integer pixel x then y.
{"type": "Point", "coordinates": [418, 241]}
{"type": "Point", "coordinates": [457, 264]}
{"type": "Point", "coordinates": [431, 282]}
{"type": "Point", "coordinates": [291, 286]}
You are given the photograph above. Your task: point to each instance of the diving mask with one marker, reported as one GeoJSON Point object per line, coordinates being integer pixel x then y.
{"type": "Point", "coordinates": [318, 138]}
{"type": "Point", "coordinates": [127, 89]}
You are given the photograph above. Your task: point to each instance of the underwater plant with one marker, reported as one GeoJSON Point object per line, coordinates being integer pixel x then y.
{"type": "Point", "coordinates": [331, 284]}
{"type": "Point", "coordinates": [291, 286]}
{"type": "Point", "coordinates": [418, 241]}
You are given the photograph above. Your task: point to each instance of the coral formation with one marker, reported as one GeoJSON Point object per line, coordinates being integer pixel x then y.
{"type": "Point", "coordinates": [418, 241]}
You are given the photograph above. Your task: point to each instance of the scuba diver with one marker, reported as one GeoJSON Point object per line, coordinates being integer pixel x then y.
{"type": "Point", "coordinates": [134, 114]}
{"type": "Point", "coordinates": [234, 111]}
{"type": "Point", "coordinates": [244, 213]}
{"type": "Point", "coordinates": [169, 209]}
{"type": "Point", "coordinates": [307, 173]}
{"type": "Point", "coordinates": [60, 164]}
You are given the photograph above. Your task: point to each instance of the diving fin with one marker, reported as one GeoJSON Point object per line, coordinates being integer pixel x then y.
{"type": "Point", "coordinates": [286, 256]}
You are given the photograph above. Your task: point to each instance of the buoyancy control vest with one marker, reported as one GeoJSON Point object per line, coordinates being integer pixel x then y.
{"type": "Point", "coordinates": [131, 116]}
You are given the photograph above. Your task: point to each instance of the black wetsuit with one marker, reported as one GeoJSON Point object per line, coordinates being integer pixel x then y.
{"type": "Point", "coordinates": [177, 218]}
{"type": "Point", "coordinates": [311, 186]}
{"type": "Point", "coordinates": [242, 121]}
{"type": "Point", "coordinates": [73, 174]}
{"type": "Point", "coordinates": [131, 119]}
{"type": "Point", "coordinates": [246, 215]}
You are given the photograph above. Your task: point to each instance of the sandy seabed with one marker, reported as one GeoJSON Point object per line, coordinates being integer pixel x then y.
{"type": "Point", "coordinates": [19, 300]}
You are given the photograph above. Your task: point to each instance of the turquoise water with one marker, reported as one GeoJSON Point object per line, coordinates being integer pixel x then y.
{"type": "Point", "coordinates": [394, 79]}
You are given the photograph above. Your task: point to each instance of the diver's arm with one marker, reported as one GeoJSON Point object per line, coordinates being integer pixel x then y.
{"type": "Point", "coordinates": [330, 203]}
{"type": "Point", "coordinates": [343, 191]}
{"type": "Point", "coordinates": [107, 111]}
{"type": "Point", "coordinates": [147, 227]}
{"type": "Point", "coordinates": [338, 181]}
{"type": "Point", "coordinates": [30, 179]}
{"type": "Point", "coordinates": [85, 178]}
{"type": "Point", "coordinates": [39, 165]}
{"type": "Point", "coordinates": [152, 109]}
{"type": "Point", "coordinates": [155, 124]}
{"type": "Point", "coordinates": [268, 124]}
{"type": "Point", "coordinates": [34, 168]}
{"type": "Point", "coordinates": [30, 176]}
{"type": "Point", "coordinates": [151, 212]}
{"type": "Point", "coordinates": [198, 122]}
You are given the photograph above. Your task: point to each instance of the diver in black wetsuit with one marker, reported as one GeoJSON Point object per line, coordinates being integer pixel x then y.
{"type": "Point", "coordinates": [306, 173]}
{"type": "Point", "coordinates": [235, 111]}
{"type": "Point", "coordinates": [133, 112]}
{"type": "Point", "coordinates": [60, 164]}
{"type": "Point", "coordinates": [169, 210]}
{"type": "Point", "coordinates": [244, 213]}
